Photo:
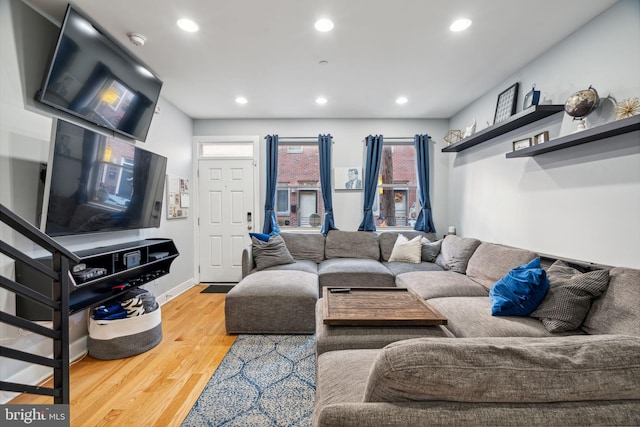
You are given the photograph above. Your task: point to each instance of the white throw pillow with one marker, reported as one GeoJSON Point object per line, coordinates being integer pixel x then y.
{"type": "Point", "coordinates": [406, 250]}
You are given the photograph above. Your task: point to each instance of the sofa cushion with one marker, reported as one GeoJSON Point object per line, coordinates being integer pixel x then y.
{"type": "Point", "coordinates": [397, 268]}
{"type": "Point", "coordinates": [430, 250]}
{"type": "Point", "coordinates": [297, 265]}
{"type": "Point", "coordinates": [490, 262]}
{"type": "Point", "coordinates": [270, 253]}
{"type": "Point", "coordinates": [456, 252]}
{"type": "Point", "coordinates": [572, 369]}
{"type": "Point", "coordinates": [351, 244]}
{"type": "Point", "coordinates": [471, 317]}
{"type": "Point", "coordinates": [354, 272]}
{"type": "Point", "coordinates": [272, 302]}
{"type": "Point", "coordinates": [387, 240]}
{"type": "Point", "coordinates": [406, 250]}
{"type": "Point", "coordinates": [569, 298]}
{"type": "Point", "coordinates": [520, 291]}
{"type": "Point", "coordinates": [309, 246]}
{"type": "Point", "coordinates": [436, 284]}
{"type": "Point", "coordinates": [341, 377]}
{"type": "Point", "coordinates": [616, 310]}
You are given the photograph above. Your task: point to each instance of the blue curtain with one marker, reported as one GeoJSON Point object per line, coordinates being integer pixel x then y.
{"type": "Point", "coordinates": [324, 148]}
{"type": "Point", "coordinates": [270, 221]}
{"type": "Point", "coordinates": [374, 154]}
{"type": "Point", "coordinates": [424, 221]}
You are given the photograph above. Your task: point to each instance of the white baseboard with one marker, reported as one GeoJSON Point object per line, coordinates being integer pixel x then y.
{"type": "Point", "coordinates": [36, 374]}
{"type": "Point", "coordinates": [174, 292]}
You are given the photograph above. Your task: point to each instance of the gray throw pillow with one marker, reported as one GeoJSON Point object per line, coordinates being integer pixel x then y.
{"type": "Point", "coordinates": [455, 253]}
{"type": "Point", "coordinates": [430, 250]}
{"type": "Point", "coordinates": [569, 297]}
{"type": "Point", "coordinates": [268, 254]}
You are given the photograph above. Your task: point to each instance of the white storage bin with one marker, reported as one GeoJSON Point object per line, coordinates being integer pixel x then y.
{"type": "Point", "coordinates": [116, 339]}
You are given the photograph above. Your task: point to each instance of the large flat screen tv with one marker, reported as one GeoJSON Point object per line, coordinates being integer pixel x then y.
{"type": "Point", "coordinates": [96, 184]}
{"type": "Point", "coordinates": [92, 77]}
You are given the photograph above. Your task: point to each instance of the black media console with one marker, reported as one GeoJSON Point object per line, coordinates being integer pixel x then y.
{"type": "Point", "coordinates": [101, 275]}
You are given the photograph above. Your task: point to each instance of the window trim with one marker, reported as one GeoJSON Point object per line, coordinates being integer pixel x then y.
{"type": "Point", "coordinates": [403, 186]}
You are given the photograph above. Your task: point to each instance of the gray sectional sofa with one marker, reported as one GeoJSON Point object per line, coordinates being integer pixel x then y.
{"type": "Point", "coordinates": [478, 369]}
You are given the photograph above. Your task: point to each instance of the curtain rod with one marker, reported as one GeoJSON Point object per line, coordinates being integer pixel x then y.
{"type": "Point", "coordinates": [302, 139]}
{"type": "Point", "coordinates": [407, 138]}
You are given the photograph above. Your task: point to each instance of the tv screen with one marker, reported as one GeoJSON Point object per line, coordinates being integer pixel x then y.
{"type": "Point", "coordinates": [97, 184]}
{"type": "Point", "coordinates": [92, 77]}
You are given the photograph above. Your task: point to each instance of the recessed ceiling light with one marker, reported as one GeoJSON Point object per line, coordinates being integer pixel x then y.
{"type": "Point", "coordinates": [401, 100]}
{"type": "Point", "coordinates": [324, 25]}
{"type": "Point", "coordinates": [460, 24]}
{"type": "Point", "coordinates": [188, 25]}
{"type": "Point", "coordinates": [241, 100]}
{"type": "Point", "coordinates": [321, 100]}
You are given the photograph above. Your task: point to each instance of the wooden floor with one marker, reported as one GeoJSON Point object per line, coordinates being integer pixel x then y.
{"type": "Point", "coordinates": [159, 387]}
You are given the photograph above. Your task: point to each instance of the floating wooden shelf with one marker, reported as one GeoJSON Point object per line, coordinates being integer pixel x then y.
{"type": "Point", "coordinates": [530, 115]}
{"type": "Point", "coordinates": [607, 130]}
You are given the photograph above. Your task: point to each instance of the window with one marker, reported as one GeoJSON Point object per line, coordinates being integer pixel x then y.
{"type": "Point", "coordinates": [219, 150]}
{"type": "Point", "coordinates": [396, 203]}
{"type": "Point", "coordinates": [282, 202]}
{"type": "Point", "coordinates": [299, 196]}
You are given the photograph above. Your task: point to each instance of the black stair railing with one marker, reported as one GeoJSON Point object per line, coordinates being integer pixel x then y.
{"type": "Point", "coordinates": [58, 302]}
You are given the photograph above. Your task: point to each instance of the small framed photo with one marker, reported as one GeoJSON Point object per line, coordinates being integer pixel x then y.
{"type": "Point", "coordinates": [349, 178]}
{"type": "Point", "coordinates": [531, 98]}
{"type": "Point", "coordinates": [506, 105]}
{"type": "Point", "coordinates": [541, 137]}
{"type": "Point", "coordinates": [521, 143]}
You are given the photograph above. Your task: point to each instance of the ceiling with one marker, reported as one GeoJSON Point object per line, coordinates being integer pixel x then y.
{"type": "Point", "coordinates": [269, 51]}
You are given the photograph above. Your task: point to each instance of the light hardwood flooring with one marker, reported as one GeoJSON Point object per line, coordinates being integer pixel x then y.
{"type": "Point", "coordinates": [158, 387]}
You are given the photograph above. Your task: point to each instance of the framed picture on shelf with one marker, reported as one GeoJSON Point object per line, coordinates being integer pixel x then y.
{"type": "Point", "coordinates": [531, 98]}
{"type": "Point", "coordinates": [521, 143]}
{"type": "Point", "coordinates": [541, 137]}
{"type": "Point", "coordinates": [506, 105]}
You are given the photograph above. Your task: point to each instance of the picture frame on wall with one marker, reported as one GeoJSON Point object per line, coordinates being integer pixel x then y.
{"type": "Point", "coordinates": [541, 137]}
{"type": "Point", "coordinates": [521, 143]}
{"type": "Point", "coordinates": [349, 178]}
{"type": "Point", "coordinates": [177, 197]}
{"type": "Point", "coordinates": [506, 105]}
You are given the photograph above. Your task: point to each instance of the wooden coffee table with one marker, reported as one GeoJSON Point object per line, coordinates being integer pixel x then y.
{"type": "Point", "coordinates": [378, 307]}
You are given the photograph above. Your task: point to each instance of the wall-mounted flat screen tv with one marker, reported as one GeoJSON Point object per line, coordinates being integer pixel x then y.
{"type": "Point", "coordinates": [96, 184]}
{"type": "Point", "coordinates": [92, 77]}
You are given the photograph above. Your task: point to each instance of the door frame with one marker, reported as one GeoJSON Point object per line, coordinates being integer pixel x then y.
{"type": "Point", "coordinates": [257, 193]}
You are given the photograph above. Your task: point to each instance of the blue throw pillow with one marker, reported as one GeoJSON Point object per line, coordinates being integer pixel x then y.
{"type": "Point", "coordinates": [519, 292]}
{"type": "Point", "coordinates": [261, 236]}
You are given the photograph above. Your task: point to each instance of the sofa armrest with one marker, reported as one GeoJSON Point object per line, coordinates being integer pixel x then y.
{"type": "Point", "coordinates": [248, 263]}
{"type": "Point", "coordinates": [507, 370]}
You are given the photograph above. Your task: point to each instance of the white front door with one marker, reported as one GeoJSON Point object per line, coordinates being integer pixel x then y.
{"type": "Point", "coordinates": [308, 206]}
{"type": "Point", "coordinates": [226, 190]}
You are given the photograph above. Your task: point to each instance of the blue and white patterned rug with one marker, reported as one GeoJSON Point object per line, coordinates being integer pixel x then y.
{"type": "Point", "coordinates": [264, 380]}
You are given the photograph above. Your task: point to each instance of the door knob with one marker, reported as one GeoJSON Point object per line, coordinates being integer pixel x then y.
{"type": "Point", "coordinates": [249, 227]}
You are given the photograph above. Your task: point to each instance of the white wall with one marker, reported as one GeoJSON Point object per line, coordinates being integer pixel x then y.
{"type": "Point", "coordinates": [582, 202]}
{"type": "Point", "coordinates": [348, 150]}
{"type": "Point", "coordinates": [25, 131]}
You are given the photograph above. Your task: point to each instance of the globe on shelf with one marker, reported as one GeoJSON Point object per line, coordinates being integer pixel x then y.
{"type": "Point", "coordinates": [580, 104]}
